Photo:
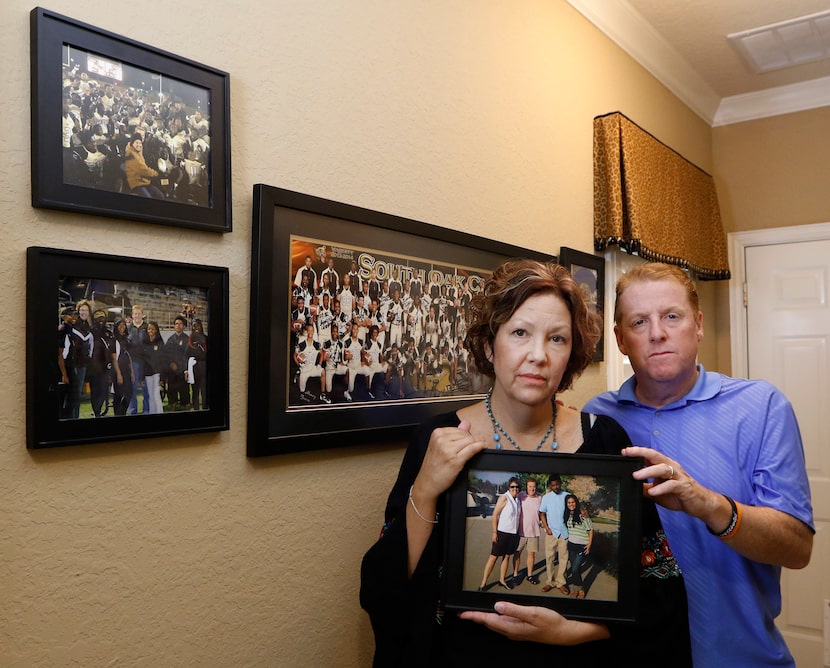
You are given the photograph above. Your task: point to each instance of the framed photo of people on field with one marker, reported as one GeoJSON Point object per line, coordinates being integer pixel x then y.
{"type": "Point", "coordinates": [598, 562]}
{"type": "Point", "coordinates": [358, 321]}
{"type": "Point", "coordinates": [123, 348]}
{"type": "Point", "coordinates": [126, 130]}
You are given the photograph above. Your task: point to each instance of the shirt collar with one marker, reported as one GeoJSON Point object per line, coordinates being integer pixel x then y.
{"type": "Point", "coordinates": [706, 387]}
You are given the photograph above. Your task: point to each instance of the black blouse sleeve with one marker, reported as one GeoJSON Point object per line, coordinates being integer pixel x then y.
{"type": "Point", "coordinates": [403, 609]}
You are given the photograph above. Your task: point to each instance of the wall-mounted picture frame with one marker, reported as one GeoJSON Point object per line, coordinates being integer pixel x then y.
{"type": "Point", "coordinates": [121, 348]}
{"type": "Point", "coordinates": [309, 388]}
{"type": "Point", "coordinates": [126, 130]}
{"type": "Point", "coordinates": [606, 499]}
{"type": "Point", "coordinates": [589, 271]}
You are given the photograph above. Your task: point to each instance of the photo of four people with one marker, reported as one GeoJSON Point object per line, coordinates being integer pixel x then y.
{"type": "Point", "coordinates": [547, 533]}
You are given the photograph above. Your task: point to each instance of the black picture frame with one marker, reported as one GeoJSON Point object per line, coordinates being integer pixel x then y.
{"type": "Point", "coordinates": [280, 218]}
{"type": "Point", "coordinates": [589, 271]}
{"type": "Point", "coordinates": [612, 574]}
{"type": "Point", "coordinates": [194, 194]}
{"type": "Point", "coordinates": [114, 284]}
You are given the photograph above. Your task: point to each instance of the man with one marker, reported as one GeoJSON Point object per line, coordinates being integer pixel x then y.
{"type": "Point", "coordinates": [333, 354]}
{"type": "Point", "coordinates": [529, 501]}
{"type": "Point", "coordinates": [333, 276]}
{"type": "Point", "coordinates": [372, 286]}
{"type": "Point", "coordinates": [354, 277]}
{"type": "Point", "coordinates": [360, 316]}
{"type": "Point", "coordinates": [101, 374]}
{"type": "Point", "coordinates": [395, 362]}
{"type": "Point", "coordinates": [378, 320]}
{"type": "Point", "coordinates": [373, 358]}
{"type": "Point", "coordinates": [308, 272]}
{"type": "Point", "coordinates": [307, 358]}
{"type": "Point", "coordinates": [66, 365]}
{"type": "Point", "coordinates": [178, 392]}
{"type": "Point", "coordinates": [323, 320]}
{"type": "Point", "coordinates": [339, 318]}
{"type": "Point", "coordinates": [352, 353]}
{"type": "Point", "coordinates": [394, 318]}
{"type": "Point", "coordinates": [415, 321]}
{"type": "Point", "coordinates": [300, 317]}
{"type": "Point", "coordinates": [430, 368]}
{"type": "Point", "coordinates": [727, 454]}
{"type": "Point", "coordinates": [552, 515]}
{"type": "Point", "coordinates": [346, 297]}
{"type": "Point", "coordinates": [302, 291]}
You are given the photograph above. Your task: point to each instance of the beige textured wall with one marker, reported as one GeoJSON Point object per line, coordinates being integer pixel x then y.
{"type": "Point", "coordinates": [771, 172]}
{"type": "Point", "coordinates": [471, 114]}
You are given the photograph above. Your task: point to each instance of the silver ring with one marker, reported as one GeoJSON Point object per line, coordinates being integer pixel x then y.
{"type": "Point", "coordinates": [671, 471]}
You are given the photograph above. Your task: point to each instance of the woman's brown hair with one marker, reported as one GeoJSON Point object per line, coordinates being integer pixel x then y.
{"type": "Point", "coordinates": [510, 285]}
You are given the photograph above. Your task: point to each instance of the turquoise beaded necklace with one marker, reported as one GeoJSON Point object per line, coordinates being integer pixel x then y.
{"type": "Point", "coordinates": [498, 430]}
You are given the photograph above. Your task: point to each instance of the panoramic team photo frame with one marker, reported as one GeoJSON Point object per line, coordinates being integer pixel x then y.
{"type": "Point", "coordinates": [289, 226]}
{"type": "Point", "coordinates": [91, 92]}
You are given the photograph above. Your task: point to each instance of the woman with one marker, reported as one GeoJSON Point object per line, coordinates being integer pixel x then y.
{"type": "Point", "coordinates": [505, 537]}
{"type": "Point", "coordinates": [82, 346]}
{"type": "Point", "coordinates": [154, 361]}
{"type": "Point", "coordinates": [122, 362]}
{"type": "Point", "coordinates": [532, 334]}
{"type": "Point", "coordinates": [139, 175]}
{"type": "Point", "coordinates": [196, 364]}
{"type": "Point", "coordinates": [84, 308]}
{"type": "Point", "coordinates": [580, 537]}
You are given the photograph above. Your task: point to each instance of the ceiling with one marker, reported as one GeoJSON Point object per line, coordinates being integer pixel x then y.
{"type": "Point", "coordinates": [684, 44]}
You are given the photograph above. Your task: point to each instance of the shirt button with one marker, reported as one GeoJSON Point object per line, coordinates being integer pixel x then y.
{"type": "Point", "coordinates": [656, 432]}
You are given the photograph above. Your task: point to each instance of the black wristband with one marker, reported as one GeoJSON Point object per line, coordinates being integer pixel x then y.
{"type": "Point", "coordinates": [729, 529]}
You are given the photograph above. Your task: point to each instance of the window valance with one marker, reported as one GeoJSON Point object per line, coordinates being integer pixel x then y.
{"type": "Point", "coordinates": [651, 201]}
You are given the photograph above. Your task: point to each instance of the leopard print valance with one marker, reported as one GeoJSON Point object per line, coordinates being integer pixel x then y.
{"type": "Point", "coordinates": [653, 202]}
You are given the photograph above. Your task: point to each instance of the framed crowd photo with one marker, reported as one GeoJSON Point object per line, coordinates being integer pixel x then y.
{"type": "Point", "coordinates": [122, 348]}
{"type": "Point", "coordinates": [358, 321]}
{"type": "Point", "coordinates": [126, 130]}
{"type": "Point", "coordinates": [589, 271]}
{"type": "Point", "coordinates": [605, 498]}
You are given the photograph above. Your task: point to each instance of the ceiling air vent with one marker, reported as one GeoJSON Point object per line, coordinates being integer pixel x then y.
{"type": "Point", "coordinates": [784, 44]}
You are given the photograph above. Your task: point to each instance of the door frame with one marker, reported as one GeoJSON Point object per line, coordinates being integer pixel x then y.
{"type": "Point", "coordinates": [738, 243]}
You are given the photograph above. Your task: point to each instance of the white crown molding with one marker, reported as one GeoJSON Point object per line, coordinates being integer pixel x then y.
{"type": "Point", "coordinates": [627, 28]}
{"type": "Point", "coordinates": [774, 102]}
{"type": "Point", "coordinates": [634, 35]}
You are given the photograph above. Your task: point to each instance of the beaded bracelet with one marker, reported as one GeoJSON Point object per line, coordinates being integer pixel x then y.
{"type": "Point", "coordinates": [734, 524]}
{"type": "Point", "coordinates": [415, 508]}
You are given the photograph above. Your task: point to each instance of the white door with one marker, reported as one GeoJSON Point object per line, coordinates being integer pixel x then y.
{"type": "Point", "coordinates": [788, 344]}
